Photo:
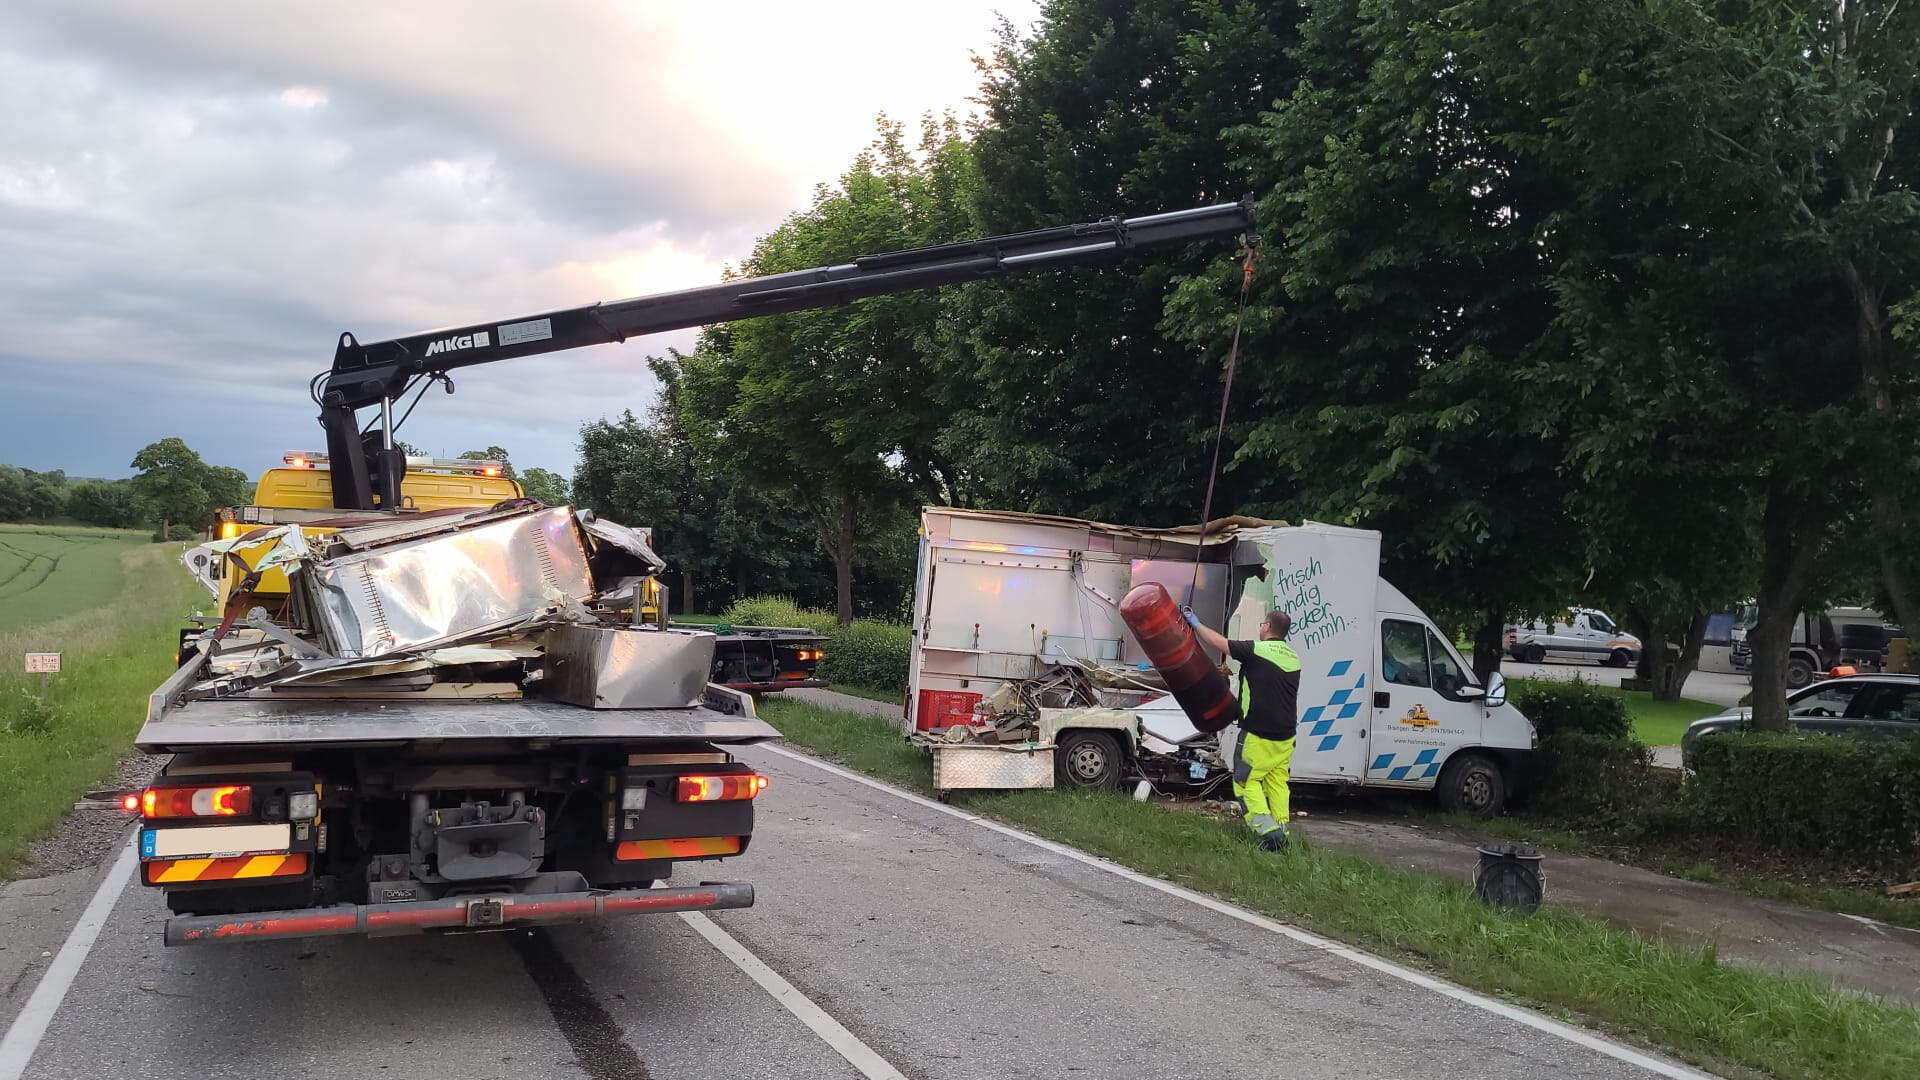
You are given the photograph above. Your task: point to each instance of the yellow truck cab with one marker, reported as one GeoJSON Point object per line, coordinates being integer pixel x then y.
{"type": "Point", "coordinates": [300, 492]}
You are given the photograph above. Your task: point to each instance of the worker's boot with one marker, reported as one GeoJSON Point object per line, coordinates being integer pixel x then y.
{"type": "Point", "coordinates": [1275, 840]}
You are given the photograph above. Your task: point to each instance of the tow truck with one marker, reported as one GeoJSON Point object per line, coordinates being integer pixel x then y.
{"type": "Point", "coordinates": [356, 748]}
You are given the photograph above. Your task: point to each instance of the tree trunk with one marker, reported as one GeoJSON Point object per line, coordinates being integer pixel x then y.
{"type": "Point", "coordinates": [1887, 518]}
{"type": "Point", "coordinates": [1489, 644]}
{"type": "Point", "coordinates": [843, 558]}
{"type": "Point", "coordinates": [1654, 659]}
{"type": "Point", "coordinates": [1785, 555]}
{"type": "Point", "coordinates": [1683, 665]}
{"type": "Point", "coordinates": [686, 593]}
{"type": "Point", "coordinates": [1887, 528]}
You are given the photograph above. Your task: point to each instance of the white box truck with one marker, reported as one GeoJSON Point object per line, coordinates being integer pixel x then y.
{"type": "Point", "coordinates": [1385, 700]}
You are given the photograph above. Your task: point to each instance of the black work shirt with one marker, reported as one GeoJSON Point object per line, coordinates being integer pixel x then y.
{"type": "Point", "coordinates": [1269, 687]}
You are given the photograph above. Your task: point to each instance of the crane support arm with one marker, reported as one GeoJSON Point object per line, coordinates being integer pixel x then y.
{"type": "Point", "coordinates": [377, 372]}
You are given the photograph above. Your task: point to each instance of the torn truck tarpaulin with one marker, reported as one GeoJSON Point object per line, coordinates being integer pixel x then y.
{"type": "Point", "coordinates": [286, 545]}
{"type": "Point", "coordinates": [507, 570]}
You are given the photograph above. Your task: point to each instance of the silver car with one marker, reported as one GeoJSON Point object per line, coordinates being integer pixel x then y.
{"type": "Point", "coordinates": [1849, 705]}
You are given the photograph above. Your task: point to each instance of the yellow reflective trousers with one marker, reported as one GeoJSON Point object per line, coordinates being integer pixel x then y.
{"type": "Point", "coordinates": [1260, 780]}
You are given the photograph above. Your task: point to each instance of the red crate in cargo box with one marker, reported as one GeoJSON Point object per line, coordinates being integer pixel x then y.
{"type": "Point", "coordinates": [944, 708]}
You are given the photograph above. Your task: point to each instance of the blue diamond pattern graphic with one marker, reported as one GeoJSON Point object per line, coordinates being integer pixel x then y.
{"type": "Point", "coordinates": [1340, 667]}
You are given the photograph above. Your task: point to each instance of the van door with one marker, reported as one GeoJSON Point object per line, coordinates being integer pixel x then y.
{"type": "Point", "coordinates": [1419, 717]}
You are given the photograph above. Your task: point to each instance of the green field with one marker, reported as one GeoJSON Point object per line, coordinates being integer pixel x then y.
{"type": "Point", "coordinates": [112, 609]}
{"type": "Point", "coordinates": [50, 571]}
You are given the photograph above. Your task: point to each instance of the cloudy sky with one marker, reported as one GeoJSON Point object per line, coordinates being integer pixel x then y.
{"type": "Point", "coordinates": [196, 198]}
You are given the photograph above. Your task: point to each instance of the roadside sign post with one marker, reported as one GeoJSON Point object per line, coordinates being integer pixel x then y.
{"type": "Point", "coordinates": [45, 665]}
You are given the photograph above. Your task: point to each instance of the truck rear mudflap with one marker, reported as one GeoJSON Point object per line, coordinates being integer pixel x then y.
{"type": "Point", "coordinates": [453, 914]}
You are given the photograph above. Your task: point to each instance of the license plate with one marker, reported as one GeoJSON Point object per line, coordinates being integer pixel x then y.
{"type": "Point", "coordinates": [215, 840]}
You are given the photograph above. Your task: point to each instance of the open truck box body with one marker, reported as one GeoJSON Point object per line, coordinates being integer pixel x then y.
{"type": "Point", "coordinates": [1005, 596]}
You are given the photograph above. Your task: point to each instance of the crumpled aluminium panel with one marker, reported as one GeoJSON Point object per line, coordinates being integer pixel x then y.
{"type": "Point", "coordinates": [459, 584]}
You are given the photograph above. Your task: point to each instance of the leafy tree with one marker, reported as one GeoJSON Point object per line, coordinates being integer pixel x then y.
{"type": "Point", "coordinates": [16, 494]}
{"type": "Point", "coordinates": [1077, 402]}
{"type": "Point", "coordinates": [409, 449]}
{"type": "Point", "coordinates": [172, 484]}
{"type": "Point", "coordinates": [840, 411]}
{"type": "Point", "coordinates": [109, 503]}
{"type": "Point", "coordinates": [1412, 283]}
{"type": "Point", "coordinates": [1777, 142]}
{"type": "Point", "coordinates": [228, 486]}
{"type": "Point", "coordinates": [176, 488]}
{"type": "Point", "coordinates": [549, 487]}
{"type": "Point", "coordinates": [722, 539]}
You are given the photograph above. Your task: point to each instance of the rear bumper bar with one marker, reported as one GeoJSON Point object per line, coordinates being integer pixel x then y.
{"type": "Point", "coordinates": [453, 913]}
{"type": "Point", "coordinates": [779, 684]}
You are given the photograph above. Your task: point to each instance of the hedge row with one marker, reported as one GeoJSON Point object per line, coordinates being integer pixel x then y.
{"type": "Point", "coordinates": [1842, 795]}
{"type": "Point", "coordinates": [1588, 765]}
{"type": "Point", "coordinates": [868, 653]}
{"type": "Point", "coordinates": [1556, 706]}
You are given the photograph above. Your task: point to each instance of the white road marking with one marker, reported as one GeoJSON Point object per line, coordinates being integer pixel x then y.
{"type": "Point", "coordinates": [1872, 924]}
{"type": "Point", "coordinates": [844, 1042]}
{"type": "Point", "coordinates": [23, 1037]}
{"type": "Point", "coordinates": [1386, 967]}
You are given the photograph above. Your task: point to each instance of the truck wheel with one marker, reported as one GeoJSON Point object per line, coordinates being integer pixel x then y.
{"type": "Point", "coordinates": [1799, 672]}
{"type": "Point", "coordinates": [1533, 654]}
{"type": "Point", "coordinates": [1472, 784]}
{"type": "Point", "coordinates": [1087, 759]}
{"type": "Point", "coordinates": [1619, 658]}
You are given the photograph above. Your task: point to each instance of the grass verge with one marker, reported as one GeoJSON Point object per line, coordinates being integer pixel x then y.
{"type": "Point", "coordinates": [114, 655]}
{"type": "Point", "coordinates": [1661, 723]}
{"type": "Point", "coordinates": [1868, 903]}
{"type": "Point", "coordinates": [891, 697]}
{"type": "Point", "coordinates": [1679, 998]}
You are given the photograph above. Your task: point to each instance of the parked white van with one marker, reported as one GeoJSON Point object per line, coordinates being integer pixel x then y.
{"type": "Point", "coordinates": [1385, 701]}
{"type": "Point", "coordinates": [1578, 634]}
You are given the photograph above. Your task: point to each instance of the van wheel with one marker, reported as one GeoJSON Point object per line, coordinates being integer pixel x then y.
{"type": "Point", "coordinates": [1620, 658]}
{"type": "Point", "coordinates": [1799, 672]}
{"type": "Point", "coordinates": [1472, 784]}
{"type": "Point", "coordinates": [1533, 654]}
{"type": "Point", "coordinates": [1087, 759]}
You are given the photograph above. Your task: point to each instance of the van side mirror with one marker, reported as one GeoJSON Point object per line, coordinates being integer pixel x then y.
{"type": "Point", "coordinates": [1496, 691]}
{"type": "Point", "coordinates": [1469, 692]}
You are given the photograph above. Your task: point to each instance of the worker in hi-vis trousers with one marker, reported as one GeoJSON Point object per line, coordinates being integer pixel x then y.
{"type": "Point", "coordinates": [1269, 693]}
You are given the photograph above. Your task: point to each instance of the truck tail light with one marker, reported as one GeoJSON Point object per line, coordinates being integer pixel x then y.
{"type": "Point", "coordinates": [720, 788]}
{"type": "Point", "coordinates": [229, 800]}
{"type": "Point", "coordinates": [130, 802]}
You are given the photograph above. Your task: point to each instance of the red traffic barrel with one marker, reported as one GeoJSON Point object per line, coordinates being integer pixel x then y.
{"type": "Point", "coordinates": [1172, 648]}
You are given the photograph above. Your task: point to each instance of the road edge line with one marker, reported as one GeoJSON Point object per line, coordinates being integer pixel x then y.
{"type": "Point", "coordinates": [830, 1031]}
{"type": "Point", "coordinates": [1365, 959]}
{"type": "Point", "coordinates": [30, 1024]}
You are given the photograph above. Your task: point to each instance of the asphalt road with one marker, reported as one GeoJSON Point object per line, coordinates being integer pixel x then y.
{"type": "Point", "coordinates": [895, 934]}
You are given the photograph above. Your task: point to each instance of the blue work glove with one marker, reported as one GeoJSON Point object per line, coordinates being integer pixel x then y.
{"type": "Point", "coordinates": [1192, 619]}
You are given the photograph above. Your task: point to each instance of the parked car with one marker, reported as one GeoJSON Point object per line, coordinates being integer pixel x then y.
{"type": "Point", "coordinates": [1576, 634]}
{"type": "Point", "coordinates": [1878, 704]}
